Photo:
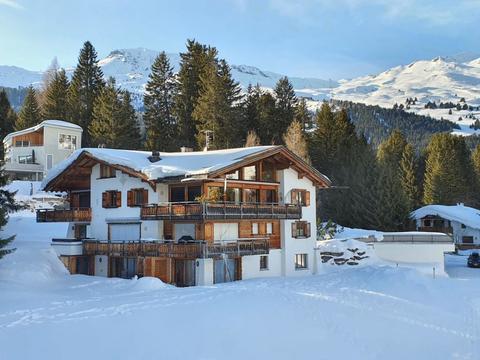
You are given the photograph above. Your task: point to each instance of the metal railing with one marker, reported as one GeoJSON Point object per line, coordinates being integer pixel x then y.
{"type": "Point", "coordinates": [190, 250]}
{"type": "Point", "coordinates": [64, 215]}
{"type": "Point", "coordinates": [219, 210]}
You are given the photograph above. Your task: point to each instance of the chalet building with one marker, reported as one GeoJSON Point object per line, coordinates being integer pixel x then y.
{"type": "Point", "coordinates": [188, 218]}
{"type": "Point", "coordinates": [32, 152]}
{"type": "Point", "coordinates": [459, 221]}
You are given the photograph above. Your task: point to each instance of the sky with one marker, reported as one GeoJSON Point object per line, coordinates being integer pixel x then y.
{"type": "Point", "coordinates": [330, 39]}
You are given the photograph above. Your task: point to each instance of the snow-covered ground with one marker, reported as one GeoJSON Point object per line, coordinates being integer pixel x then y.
{"type": "Point", "coordinates": [374, 311]}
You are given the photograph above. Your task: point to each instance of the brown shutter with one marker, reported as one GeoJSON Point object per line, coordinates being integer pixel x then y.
{"type": "Point", "coordinates": [262, 228]}
{"type": "Point", "coordinates": [145, 196]}
{"type": "Point", "coordinates": [307, 198]}
{"type": "Point", "coordinates": [294, 229]}
{"type": "Point", "coordinates": [209, 232]}
{"type": "Point", "coordinates": [276, 228]}
{"type": "Point", "coordinates": [167, 230]}
{"type": "Point", "coordinates": [294, 198]}
{"type": "Point", "coordinates": [105, 198]}
{"type": "Point", "coordinates": [130, 198]}
{"type": "Point", "coordinates": [119, 199]}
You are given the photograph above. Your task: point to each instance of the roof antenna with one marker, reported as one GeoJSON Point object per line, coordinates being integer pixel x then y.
{"type": "Point", "coordinates": [208, 134]}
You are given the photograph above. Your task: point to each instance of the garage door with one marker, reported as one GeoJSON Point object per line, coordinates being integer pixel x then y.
{"type": "Point", "coordinates": [124, 232]}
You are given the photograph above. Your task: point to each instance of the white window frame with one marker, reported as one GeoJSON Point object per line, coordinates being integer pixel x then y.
{"type": "Point", "coordinates": [302, 265]}
{"type": "Point", "coordinates": [269, 228]}
{"type": "Point", "coordinates": [72, 147]}
{"type": "Point", "coordinates": [255, 227]}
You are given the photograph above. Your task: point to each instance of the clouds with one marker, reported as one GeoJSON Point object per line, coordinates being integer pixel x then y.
{"type": "Point", "coordinates": [12, 4]}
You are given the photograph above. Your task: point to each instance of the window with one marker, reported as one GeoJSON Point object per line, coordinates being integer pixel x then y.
{"type": "Point", "coordinates": [463, 226]}
{"type": "Point", "coordinates": [269, 228]}
{"type": "Point", "coordinates": [234, 195]}
{"type": "Point", "coordinates": [106, 171]}
{"type": "Point", "coordinates": [301, 261]}
{"type": "Point", "coordinates": [467, 239]}
{"type": "Point", "coordinates": [49, 161]}
{"type": "Point", "coordinates": [250, 173]}
{"type": "Point", "coordinates": [177, 194]}
{"type": "Point", "coordinates": [234, 175]}
{"type": "Point", "coordinates": [194, 192]}
{"type": "Point", "coordinates": [250, 196]}
{"type": "Point", "coordinates": [22, 143]}
{"type": "Point", "coordinates": [111, 199]}
{"type": "Point", "coordinates": [27, 159]}
{"type": "Point", "coordinates": [268, 171]}
{"type": "Point", "coordinates": [300, 197]}
{"type": "Point", "coordinates": [67, 142]}
{"type": "Point", "coordinates": [264, 262]}
{"type": "Point", "coordinates": [254, 228]}
{"type": "Point", "coordinates": [300, 229]}
{"type": "Point", "coordinates": [270, 196]}
{"type": "Point", "coordinates": [80, 231]}
{"type": "Point", "coordinates": [137, 197]}
{"type": "Point", "coordinates": [427, 223]}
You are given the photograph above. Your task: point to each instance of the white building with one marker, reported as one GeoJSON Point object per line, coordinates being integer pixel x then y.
{"type": "Point", "coordinates": [31, 152]}
{"type": "Point", "coordinates": [189, 218]}
{"type": "Point", "coordinates": [462, 222]}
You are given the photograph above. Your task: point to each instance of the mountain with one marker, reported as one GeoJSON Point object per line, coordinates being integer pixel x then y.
{"type": "Point", "coordinates": [131, 67]}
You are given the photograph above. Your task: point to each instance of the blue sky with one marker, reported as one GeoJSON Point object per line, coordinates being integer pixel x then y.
{"type": "Point", "coordinates": [318, 38]}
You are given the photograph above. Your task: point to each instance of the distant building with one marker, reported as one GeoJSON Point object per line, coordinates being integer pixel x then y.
{"type": "Point", "coordinates": [462, 222]}
{"type": "Point", "coordinates": [31, 152]}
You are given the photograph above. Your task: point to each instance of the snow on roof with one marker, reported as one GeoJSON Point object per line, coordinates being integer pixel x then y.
{"type": "Point", "coordinates": [170, 164]}
{"type": "Point", "coordinates": [463, 214]}
{"type": "Point", "coordinates": [55, 123]}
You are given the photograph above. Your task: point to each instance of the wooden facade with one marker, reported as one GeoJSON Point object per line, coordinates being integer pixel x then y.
{"type": "Point", "coordinates": [64, 215]}
{"type": "Point", "coordinates": [34, 138]}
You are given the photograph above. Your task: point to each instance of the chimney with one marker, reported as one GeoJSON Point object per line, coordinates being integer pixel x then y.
{"type": "Point", "coordinates": [155, 156]}
{"type": "Point", "coordinates": [186, 149]}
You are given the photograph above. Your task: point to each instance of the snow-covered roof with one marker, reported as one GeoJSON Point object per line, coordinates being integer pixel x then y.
{"type": "Point", "coordinates": [463, 214]}
{"type": "Point", "coordinates": [52, 123]}
{"type": "Point", "coordinates": [170, 164]}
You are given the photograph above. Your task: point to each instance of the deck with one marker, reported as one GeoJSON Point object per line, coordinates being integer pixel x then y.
{"type": "Point", "coordinates": [64, 215]}
{"type": "Point", "coordinates": [194, 250]}
{"type": "Point", "coordinates": [219, 211]}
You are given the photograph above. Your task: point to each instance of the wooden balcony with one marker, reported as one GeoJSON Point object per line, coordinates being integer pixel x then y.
{"type": "Point", "coordinates": [194, 250]}
{"type": "Point", "coordinates": [445, 230]}
{"type": "Point", "coordinates": [220, 210]}
{"type": "Point", "coordinates": [64, 215]}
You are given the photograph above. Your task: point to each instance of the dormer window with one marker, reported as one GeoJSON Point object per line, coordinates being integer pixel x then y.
{"type": "Point", "coordinates": [106, 171]}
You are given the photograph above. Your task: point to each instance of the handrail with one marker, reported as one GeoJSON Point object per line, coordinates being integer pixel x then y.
{"type": "Point", "coordinates": [64, 215]}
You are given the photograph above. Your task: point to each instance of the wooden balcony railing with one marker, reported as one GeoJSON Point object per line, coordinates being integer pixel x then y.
{"type": "Point", "coordinates": [445, 230]}
{"type": "Point", "coordinates": [219, 210]}
{"type": "Point", "coordinates": [64, 215]}
{"type": "Point", "coordinates": [194, 250]}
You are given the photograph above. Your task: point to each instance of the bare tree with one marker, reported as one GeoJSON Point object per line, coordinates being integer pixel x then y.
{"type": "Point", "coordinates": [252, 139]}
{"type": "Point", "coordinates": [295, 140]}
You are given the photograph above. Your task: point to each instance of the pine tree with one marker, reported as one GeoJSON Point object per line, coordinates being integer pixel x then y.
{"type": "Point", "coordinates": [449, 172]}
{"type": "Point", "coordinates": [266, 119]}
{"type": "Point", "coordinates": [29, 114]}
{"type": "Point", "coordinates": [286, 102]}
{"type": "Point", "coordinates": [302, 114]}
{"type": "Point", "coordinates": [476, 161]}
{"type": "Point", "coordinates": [295, 140]}
{"type": "Point", "coordinates": [252, 139]}
{"type": "Point", "coordinates": [194, 62]}
{"type": "Point", "coordinates": [160, 123]}
{"type": "Point", "coordinates": [214, 110]}
{"type": "Point", "coordinates": [7, 205]}
{"type": "Point", "coordinates": [55, 104]}
{"type": "Point", "coordinates": [7, 118]}
{"type": "Point", "coordinates": [86, 85]}
{"type": "Point", "coordinates": [409, 171]}
{"type": "Point", "coordinates": [114, 124]}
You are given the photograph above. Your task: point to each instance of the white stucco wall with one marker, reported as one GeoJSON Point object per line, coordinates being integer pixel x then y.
{"type": "Point", "coordinates": [289, 180]}
{"type": "Point", "coordinates": [150, 229]}
{"type": "Point", "coordinates": [50, 144]}
{"type": "Point", "coordinates": [459, 233]}
{"type": "Point", "coordinates": [251, 265]}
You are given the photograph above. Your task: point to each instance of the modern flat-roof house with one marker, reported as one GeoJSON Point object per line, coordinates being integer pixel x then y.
{"type": "Point", "coordinates": [188, 218]}
{"type": "Point", "coordinates": [462, 222]}
{"type": "Point", "coordinates": [32, 152]}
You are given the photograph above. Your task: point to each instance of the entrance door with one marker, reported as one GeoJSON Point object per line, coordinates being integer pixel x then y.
{"type": "Point", "coordinates": [124, 232]}
{"type": "Point", "coordinates": [225, 271]}
{"type": "Point", "coordinates": [185, 273]}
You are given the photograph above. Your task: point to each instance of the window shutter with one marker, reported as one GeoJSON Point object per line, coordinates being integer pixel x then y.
{"type": "Point", "coordinates": [145, 196]}
{"type": "Point", "coordinates": [294, 229]}
{"type": "Point", "coordinates": [119, 199]}
{"type": "Point", "coordinates": [307, 198]}
{"type": "Point", "coordinates": [294, 195]}
{"type": "Point", "coordinates": [130, 198]}
{"type": "Point", "coordinates": [307, 230]}
{"type": "Point", "coordinates": [105, 198]}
